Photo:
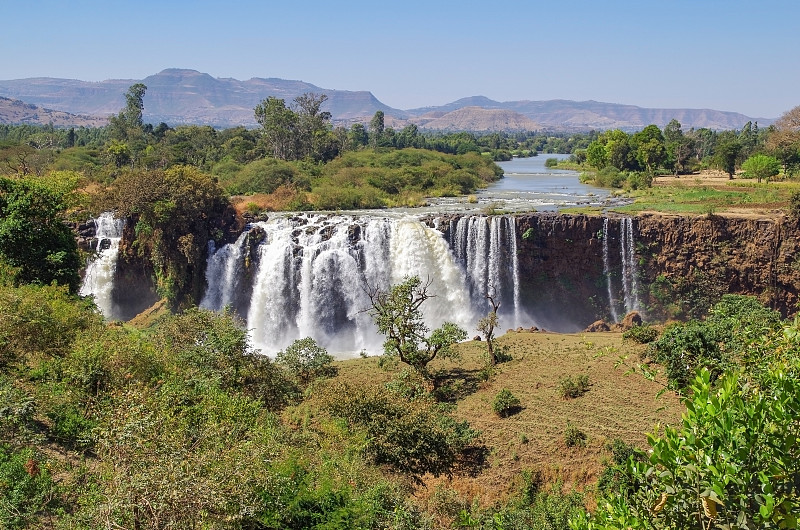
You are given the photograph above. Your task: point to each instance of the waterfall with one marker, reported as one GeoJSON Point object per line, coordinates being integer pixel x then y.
{"type": "Point", "coordinates": [607, 271]}
{"type": "Point", "coordinates": [98, 280]}
{"type": "Point", "coordinates": [486, 249]}
{"type": "Point", "coordinates": [627, 252]}
{"type": "Point", "coordinates": [311, 275]}
{"type": "Point", "coordinates": [629, 286]}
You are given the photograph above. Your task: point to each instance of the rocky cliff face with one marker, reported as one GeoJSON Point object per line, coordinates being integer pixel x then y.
{"type": "Point", "coordinates": [681, 265]}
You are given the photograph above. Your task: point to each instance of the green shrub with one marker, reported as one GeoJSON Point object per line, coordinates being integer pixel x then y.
{"type": "Point", "coordinates": [305, 360]}
{"type": "Point", "coordinates": [26, 489]}
{"type": "Point", "coordinates": [505, 403]}
{"type": "Point", "coordinates": [413, 437]}
{"type": "Point", "coordinates": [719, 342]}
{"type": "Point", "coordinates": [643, 334]}
{"type": "Point", "coordinates": [639, 180]}
{"type": "Point", "coordinates": [16, 412]}
{"type": "Point", "coordinates": [574, 437]}
{"type": "Point", "coordinates": [569, 388]}
{"type": "Point", "coordinates": [71, 427]}
{"type": "Point", "coordinates": [551, 162]}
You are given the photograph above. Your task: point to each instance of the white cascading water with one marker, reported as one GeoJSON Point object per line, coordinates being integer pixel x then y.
{"type": "Point", "coordinates": [98, 280]}
{"type": "Point", "coordinates": [607, 272]}
{"type": "Point", "coordinates": [486, 249]}
{"type": "Point", "coordinates": [312, 273]}
{"type": "Point", "coordinates": [629, 283]}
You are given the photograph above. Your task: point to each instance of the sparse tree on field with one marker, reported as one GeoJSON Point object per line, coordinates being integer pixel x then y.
{"type": "Point", "coordinates": [761, 167]}
{"type": "Point", "coordinates": [398, 315]}
{"type": "Point", "coordinates": [306, 360]}
{"type": "Point", "coordinates": [486, 326]}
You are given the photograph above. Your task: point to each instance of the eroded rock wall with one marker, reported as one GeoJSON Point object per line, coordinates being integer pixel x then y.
{"type": "Point", "coordinates": [683, 265]}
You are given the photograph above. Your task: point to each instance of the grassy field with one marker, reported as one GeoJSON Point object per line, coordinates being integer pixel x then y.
{"type": "Point", "coordinates": [616, 405]}
{"type": "Point", "coordinates": [712, 192]}
{"type": "Point", "coordinates": [709, 192]}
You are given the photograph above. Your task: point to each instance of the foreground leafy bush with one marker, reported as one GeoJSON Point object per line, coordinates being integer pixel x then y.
{"type": "Point", "coordinates": [26, 488]}
{"type": "Point", "coordinates": [643, 334]}
{"type": "Point", "coordinates": [732, 463]}
{"type": "Point", "coordinates": [505, 403]}
{"type": "Point", "coordinates": [413, 437]}
{"type": "Point", "coordinates": [306, 360]}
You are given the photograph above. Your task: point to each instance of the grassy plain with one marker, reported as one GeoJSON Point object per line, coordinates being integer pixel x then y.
{"type": "Point", "coordinates": [711, 192]}
{"type": "Point", "coordinates": [616, 406]}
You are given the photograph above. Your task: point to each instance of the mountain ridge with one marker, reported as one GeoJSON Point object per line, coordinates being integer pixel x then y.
{"type": "Point", "coordinates": [179, 96]}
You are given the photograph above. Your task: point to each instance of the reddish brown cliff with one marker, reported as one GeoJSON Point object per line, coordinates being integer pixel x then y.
{"type": "Point", "coordinates": [682, 265]}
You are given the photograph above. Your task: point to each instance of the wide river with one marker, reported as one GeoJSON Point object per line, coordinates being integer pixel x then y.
{"type": "Point", "coordinates": [529, 186]}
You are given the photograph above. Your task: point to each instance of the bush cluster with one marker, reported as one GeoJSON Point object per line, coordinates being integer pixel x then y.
{"type": "Point", "coordinates": [569, 388]}
{"type": "Point", "coordinates": [505, 403]}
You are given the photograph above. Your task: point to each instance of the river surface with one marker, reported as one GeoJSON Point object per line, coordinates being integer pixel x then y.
{"type": "Point", "coordinates": [527, 185]}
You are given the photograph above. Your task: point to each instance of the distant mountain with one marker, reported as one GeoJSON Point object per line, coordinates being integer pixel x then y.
{"type": "Point", "coordinates": [583, 115]}
{"type": "Point", "coordinates": [13, 111]}
{"type": "Point", "coordinates": [476, 119]}
{"type": "Point", "coordinates": [179, 96]}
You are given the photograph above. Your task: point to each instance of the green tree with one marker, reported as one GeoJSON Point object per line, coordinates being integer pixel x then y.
{"type": "Point", "coordinates": [486, 326]}
{"type": "Point", "coordinates": [128, 123]}
{"type": "Point", "coordinates": [726, 152]}
{"type": "Point", "coordinates": [33, 237]}
{"type": "Point", "coordinates": [596, 155]}
{"type": "Point", "coordinates": [314, 137]}
{"type": "Point", "coordinates": [679, 146]}
{"type": "Point", "coordinates": [278, 127]}
{"type": "Point", "coordinates": [649, 146]}
{"type": "Point", "coordinates": [398, 315]}
{"type": "Point", "coordinates": [358, 137]}
{"type": "Point", "coordinates": [783, 139]}
{"type": "Point", "coordinates": [761, 167]}
{"type": "Point", "coordinates": [376, 129]}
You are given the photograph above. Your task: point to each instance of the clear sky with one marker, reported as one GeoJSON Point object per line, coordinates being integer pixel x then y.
{"type": "Point", "coordinates": [733, 55]}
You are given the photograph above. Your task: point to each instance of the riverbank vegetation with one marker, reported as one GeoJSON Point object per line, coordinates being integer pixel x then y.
{"type": "Point", "coordinates": [182, 424]}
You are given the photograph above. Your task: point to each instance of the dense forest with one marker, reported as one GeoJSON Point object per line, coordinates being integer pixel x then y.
{"type": "Point", "coordinates": [178, 423]}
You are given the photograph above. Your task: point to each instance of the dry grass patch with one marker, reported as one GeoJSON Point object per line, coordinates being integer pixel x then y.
{"type": "Point", "coordinates": [615, 406]}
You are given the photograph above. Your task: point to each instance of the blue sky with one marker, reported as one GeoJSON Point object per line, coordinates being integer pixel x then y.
{"type": "Point", "coordinates": [731, 55]}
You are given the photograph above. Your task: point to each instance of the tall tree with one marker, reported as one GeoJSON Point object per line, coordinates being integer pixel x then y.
{"type": "Point", "coordinates": [33, 238]}
{"type": "Point", "coordinates": [376, 129]}
{"type": "Point", "coordinates": [650, 150]}
{"type": "Point", "coordinates": [726, 152]}
{"type": "Point", "coordinates": [783, 139]}
{"type": "Point", "coordinates": [679, 146]}
{"type": "Point", "coordinates": [128, 123]}
{"type": "Point", "coordinates": [314, 138]}
{"type": "Point", "coordinates": [278, 127]}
